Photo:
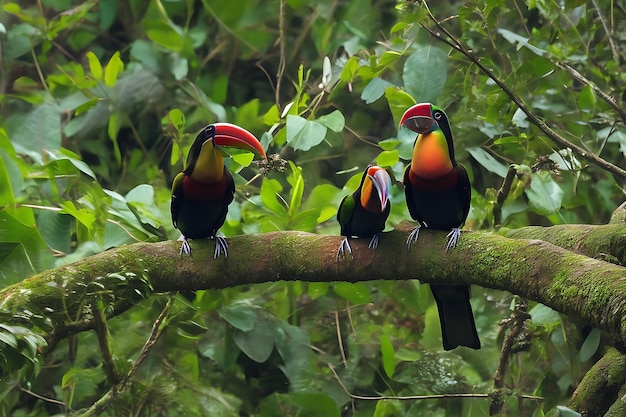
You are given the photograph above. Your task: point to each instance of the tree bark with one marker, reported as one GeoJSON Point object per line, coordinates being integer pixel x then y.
{"type": "Point", "coordinates": [588, 290]}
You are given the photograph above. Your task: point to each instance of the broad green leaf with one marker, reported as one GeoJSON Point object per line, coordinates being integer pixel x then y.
{"type": "Point", "coordinates": [303, 134]}
{"type": "Point", "coordinates": [56, 229]}
{"type": "Point", "coordinates": [22, 250]}
{"type": "Point", "coordinates": [316, 403]}
{"type": "Point", "coordinates": [374, 90]}
{"type": "Point", "coordinates": [318, 289]}
{"type": "Point", "coordinates": [258, 342]}
{"type": "Point", "coordinates": [270, 196]}
{"type": "Point", "coordinates": [425, 74]}
{"type": "Point", "coordinates": [114, 68]}
{"type": "Point", "coordinates": [544, 195]}
{"type": "Point", "coordinates": [490, 163]}
{"type": "Point", "coordinates": [36, 130]}
{"type": "Point", "coordinates": [387, 158]}
{"type": "Point", "coordinates": [590, 345]}
{"type": "Point", "coordinates": [162, 33]}
{"type": "Point", "coordinates": [388, 355]}
{"type": "Point", "coordinates": [334, 121]}
{"type": "Point", "coordinates": [544, 315]}
{"type": "Point", "coordinates": [95, 67]}
{"type": "Point", "coordinates": [587, 99]}
{"type": "Point", "coordinates": [356, 293]}
{"type": "Point", "coordinates": [399, 101]}
{"type": "Point", "coordinates": [6, 189]}
{"type": "Point", "coordinates": [240, 316]}
{"type": "Point", "coordinates": [389, 144]}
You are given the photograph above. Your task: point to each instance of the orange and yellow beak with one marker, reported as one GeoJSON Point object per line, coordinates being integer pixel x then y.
{"type": "Point", "coordinates": [381, 182]}
{"type": "Point", "coordinates": [232, 136]}
{"type": "Point", "coordinates": [418, 118]}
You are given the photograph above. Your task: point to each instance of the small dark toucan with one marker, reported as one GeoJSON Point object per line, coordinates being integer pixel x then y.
{"type": "Point", "coordinates": [364, 212]}
{"type": "Point", "coordinates": [438, 194]}
{"type": "Point", "coordinates": [202, 192]}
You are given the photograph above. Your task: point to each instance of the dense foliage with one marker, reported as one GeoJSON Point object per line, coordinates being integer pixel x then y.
{"type": "Point", "coordinates": [102, 99]}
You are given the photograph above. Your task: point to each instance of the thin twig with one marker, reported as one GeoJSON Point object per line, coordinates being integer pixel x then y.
{"type": "Point", "coordinates": [41, 397]}
{"type": "Point", "coordinates": [608, 31]}
{"type": "Point", "coordinates": [339, 340]}
{"type": "Point", "coordinates": [282, 39]}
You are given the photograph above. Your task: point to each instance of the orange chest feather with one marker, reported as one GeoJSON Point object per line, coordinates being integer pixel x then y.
{"type": "Point", "coordinates": [431, 159]}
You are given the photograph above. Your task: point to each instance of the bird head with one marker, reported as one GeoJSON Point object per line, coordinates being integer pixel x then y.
{"type": "Point", "coordinates": [205, 161]}
{"type": "Point", "coordinates": [376, 181]}
{"type": "Point", "coordinates": [433, 152]}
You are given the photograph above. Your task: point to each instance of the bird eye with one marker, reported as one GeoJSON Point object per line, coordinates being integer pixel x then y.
{"type": "Point", "coordinates": [437, 115]}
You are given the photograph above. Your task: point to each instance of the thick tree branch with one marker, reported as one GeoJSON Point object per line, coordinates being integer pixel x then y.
{"type": "Point", "coordinates": [586, 289]}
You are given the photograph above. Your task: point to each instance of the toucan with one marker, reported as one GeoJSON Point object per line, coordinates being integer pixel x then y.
{"type": "Point", "coordinates": [438, 194]}
{"type": "Point", "coordinates": [364, 212]}
{"type": "Point", "coordinates": [202, 192]}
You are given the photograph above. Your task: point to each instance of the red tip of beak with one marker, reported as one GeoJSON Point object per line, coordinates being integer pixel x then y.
{"type": "Point", "coordinates": [418, 118]}
{"type": "Point", "coordinates": [228, 134]}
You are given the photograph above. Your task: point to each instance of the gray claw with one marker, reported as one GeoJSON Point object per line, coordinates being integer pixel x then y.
{"type": "Point", "coordinates": [412, 239]}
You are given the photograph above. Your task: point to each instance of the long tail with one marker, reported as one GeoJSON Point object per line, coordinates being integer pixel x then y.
{"type": "Point", "coordinates": [455, 315]}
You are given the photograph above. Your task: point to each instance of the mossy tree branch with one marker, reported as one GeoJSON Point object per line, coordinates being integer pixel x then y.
{"type": "Point", "coordinates": [586, 289]}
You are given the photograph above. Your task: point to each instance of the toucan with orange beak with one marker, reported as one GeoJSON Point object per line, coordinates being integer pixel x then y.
{"type": "Point", "coordinates": [364, 212]}
{"type": "Point", "coordinates": [202, 193]}
{"type": "Point", "coordinates": [438, 195]}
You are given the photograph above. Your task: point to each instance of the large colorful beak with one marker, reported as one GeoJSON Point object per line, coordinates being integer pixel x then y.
{"type": "Point", "coordinates": [228, 135]}
{"type": "Point", "coordinates": [418, 118]}
{"type": "Point", "coordinates": [382, 183]}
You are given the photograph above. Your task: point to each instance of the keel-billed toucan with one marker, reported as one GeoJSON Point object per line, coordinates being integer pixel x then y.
{"type": "Point", "coordinates": [202, 192]}
{"type": "Point", "coordinates": [364, 212]}
{"type": "Point", "coordinates": [438, 196]}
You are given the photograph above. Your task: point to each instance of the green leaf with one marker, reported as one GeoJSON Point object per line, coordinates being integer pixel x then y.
{"type": "Point", "coordinates": [590, 345]}
{"type": "Point", "coordinates": [374, 90]}
{"type": "Point", "coordinates": [317, 403]}
{"type": "Point", "coordinates": [113, 129]}
{"type": "Point", "coordinates": [240, 316]}
{"type": "Point", "coordinates": [544, 195]}
{"type": "Point", "coordinates": [399, 101]}
{"type": "Point", "coordinates": [95, 67]}
{"type": "Point", "coordinates": [387, 158]}
{"type": "Point", "coordinates": [425, 74]}
{"type": "Point", "coordinates": [388, 355]}
{"type": "Point", "coordinates": [114, 68]}
{"type": "Point", "coordinates": [356, 293]}
{"type": "Point", "coordinates": [257, 343]}
{"type": "Point", "coordinates": [164, 34]}
{"type": "Point", "coordinates": [318, 289]}
{"type": "Point", "coordinates": [334, 121]}
{"type": "Point", "coordinates": [587, 99]}
{"type": "Point", "coordinates": [270, 196]}
{"type": "Point", "coordinates": [544, 315]}
{"type": "Point", "coordinates": [303, 134]}
{"type": "Point", "coordinates": [490, 163]}
{"type": "Point", "coordinates": [32, 132]}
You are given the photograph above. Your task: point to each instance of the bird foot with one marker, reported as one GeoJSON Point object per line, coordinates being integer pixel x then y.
{"type": "Point", "coordinates": [343, 248]}
{"type": "Point", "coordinates": [412, 239]}
{"type": "Point", "coordinates": [185, 247]}
{"type": "Point", "coordinates": [453, 238]}
{"type": "Point", "coordinates": [374, 242]}
{"type": "Point", "coordinates": [221, 246]}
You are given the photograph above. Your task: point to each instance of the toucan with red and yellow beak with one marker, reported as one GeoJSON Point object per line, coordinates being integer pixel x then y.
{"type": "Point", "coordinates": [202, 193]}
{"type": "Point", "coordinates": [364, 212]}
{"type": "Point", "coordinates": [438, 194]}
